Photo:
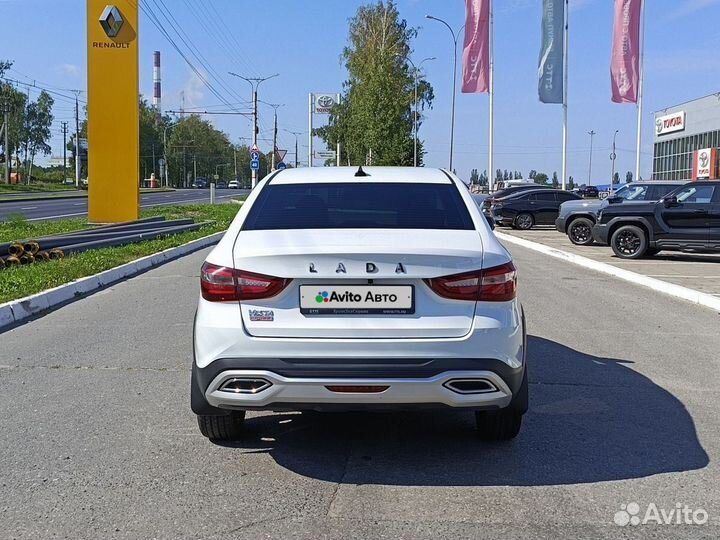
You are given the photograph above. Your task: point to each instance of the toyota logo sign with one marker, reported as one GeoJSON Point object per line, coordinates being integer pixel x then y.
{"type": "Point", "coordinates": [324, 103]}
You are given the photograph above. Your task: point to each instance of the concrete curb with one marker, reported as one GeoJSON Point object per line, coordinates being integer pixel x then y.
{"type": "Point", "coordinates": [17, 311]}
{"type": "Point", "coordinates": [678, 291]}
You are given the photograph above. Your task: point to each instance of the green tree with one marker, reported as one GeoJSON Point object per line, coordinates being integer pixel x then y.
{"type": "Point", "coordinates": [17, 101]}
{"type": "Point", "coordinates": [474, 177]}
{"type": "Point", "coordinates": [532, 174]}
{"type": "Point", "coordinates": [555, 182]}
{"type": "Point", "coordinates": [628, 177]}
{"type": "Point", "coordinates": [376, 112]}
{"type": "Point", "coordinates": [194, 144]}
{"type": "Point", "coordinates": [571, 183]}
{"type": "Point", "coordinates": [36, 130]}
{"type": "Point", "coordinates": [541, 178]}
{"type": "Point", "coordinates": [616, 178]}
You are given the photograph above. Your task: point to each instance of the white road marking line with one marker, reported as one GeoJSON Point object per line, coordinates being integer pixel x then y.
{"type": "Point", "coordinates": [55, 217]}
{"type": "Point", "coordinates": [670, 289]}
{"type": "Point", "coordinates": [78, 204]}
{"type": "Point", "coordinates": [29, 208]}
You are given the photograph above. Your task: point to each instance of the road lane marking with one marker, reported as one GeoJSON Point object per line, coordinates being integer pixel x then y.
{"type": "Point", "coordinates": [55, 217]}
{"type": "Point", "coordinates": [670, 289]}
{"type": "Point", "coordinates": [29, 208]}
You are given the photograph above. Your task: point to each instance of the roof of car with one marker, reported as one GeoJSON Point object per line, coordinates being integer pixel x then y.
{"type": "Point", "coordinates": [410, 175]}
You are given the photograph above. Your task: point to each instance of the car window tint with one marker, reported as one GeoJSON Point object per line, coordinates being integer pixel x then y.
{"type": "Point", "coordinates": [696, 194]}
{"type": "Point", "coordinates": [634, 193]}
{"type": "Point", "coordinates": [661, 191]}
{"type": "Point", "coordinates": [566, 197]}
{"type": "Point", "coordinates": [545, 197]}
{"type": "Point", "coordinates": [359, 206]}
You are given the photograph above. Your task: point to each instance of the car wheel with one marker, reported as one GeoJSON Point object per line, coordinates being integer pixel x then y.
{"type": "Point", "coordinates": [524, 221]}
{"type": "Point", "coordinates": [629, 242]}
{"type": "Point", "coordinates": [222, 428]}
{"type": "Point", "coordinates": [501, 425]}
{"type": "Point", "coordinates": [580, 231]}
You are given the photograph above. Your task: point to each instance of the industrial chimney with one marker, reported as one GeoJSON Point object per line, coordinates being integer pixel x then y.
{"type": "Point", "coordinates": [157, 93]}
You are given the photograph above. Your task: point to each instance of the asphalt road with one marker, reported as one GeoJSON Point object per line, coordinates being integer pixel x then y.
{"type": "Point", "coordinates": [97, 439]}
{"type": "Point", "coordinates": [67, 208]}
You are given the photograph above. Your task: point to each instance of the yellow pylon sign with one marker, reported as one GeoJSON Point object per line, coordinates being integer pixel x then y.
{"type": "Point", "coordinates": [113, 112]}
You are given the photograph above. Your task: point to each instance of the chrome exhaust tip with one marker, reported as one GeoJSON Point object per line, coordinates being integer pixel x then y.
{"type": "Point", "coordinates": [470, 386]}
{"type": "Point", "coordinates": [242, 385]}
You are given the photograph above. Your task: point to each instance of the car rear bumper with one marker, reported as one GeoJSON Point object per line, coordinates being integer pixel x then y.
{"type": "Point", "coordinates": [600, 232]}
{"type": "Point", "coordinates": [560, 225]}
{"type": "Point", "coordinates": [317, 392]}
{"type": "Point", "coordinates": [294, 384]}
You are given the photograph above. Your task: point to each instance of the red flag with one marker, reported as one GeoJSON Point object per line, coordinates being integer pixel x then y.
{"type": "Point", "coordinates": [476, 48]}
{"type": "Point", "coordinates": [625, 63]}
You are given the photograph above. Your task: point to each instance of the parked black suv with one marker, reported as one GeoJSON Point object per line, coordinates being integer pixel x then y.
{"type": "Point", "coordinates": [687, 219]}
{"type": "Point", "coordinates": [588, 191]}
{"type": "Point", "coordinates": [531, 207]}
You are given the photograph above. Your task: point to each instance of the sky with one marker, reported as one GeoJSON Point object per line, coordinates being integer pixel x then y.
{"type": "Point", "coordinates": [303, 42]}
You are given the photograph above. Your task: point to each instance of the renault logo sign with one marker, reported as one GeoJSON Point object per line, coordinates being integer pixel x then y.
{"type": "Point", "coordinates": [111, 20]}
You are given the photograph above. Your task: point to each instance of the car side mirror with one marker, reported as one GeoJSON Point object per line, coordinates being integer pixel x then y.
{"type": "Point", "coordinates": [490, 221]}
{"type": "Point", "coordinates": [614, 200]}
{"type": "Point", "coordinates": [671, 201]}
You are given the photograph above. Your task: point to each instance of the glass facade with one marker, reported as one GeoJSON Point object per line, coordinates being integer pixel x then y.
{"type": "Point", "coordinates": [673, 158]}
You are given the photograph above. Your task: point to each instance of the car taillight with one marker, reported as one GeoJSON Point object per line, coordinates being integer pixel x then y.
{"type": "Point", "coordinates": [222, 284]}
{"type": "Point", "coordinates": [497, 284]}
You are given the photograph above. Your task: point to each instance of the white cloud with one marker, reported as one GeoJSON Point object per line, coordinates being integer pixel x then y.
{"type": "Point", "coordinates": [70, 69]}
{"type": "Point", "coordinates": [194, 89]}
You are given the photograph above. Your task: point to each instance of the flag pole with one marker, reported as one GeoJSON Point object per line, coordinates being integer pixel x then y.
{"type": "Point", "coordinates": [491, 92]}
{"type": "Point", "coordinates": [565, 95]}
{"type": "Point", "coordinates": [640, 92]}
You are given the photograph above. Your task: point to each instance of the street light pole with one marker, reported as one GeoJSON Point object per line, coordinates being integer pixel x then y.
{"type": "Point", "coordinates": [591, 133]}
{"type": "Point", "coordinates": [612, 157]}
{"type": "Point", "coordinates": [254, 84]}
{"type": "Point", "coordinates": [296, 133]}
{"type": "Point", "coordinates": [416, 69]}
{"type": "Point", "coordinates": [452, 115]}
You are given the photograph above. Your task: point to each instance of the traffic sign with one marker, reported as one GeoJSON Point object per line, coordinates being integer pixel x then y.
{"type": "Point", "coordinates": [255, 164]}
{"type": "Point", "coordinates": [255, 155]}
{"type": "Point", "coordinates": [216, 177]}
{"type": "Point", "coordinates": [325, 155]}
{"type": "Point", "coordinates": [280, 154]}
{"type": "Point", "coordinates": [254, 148]}
{"type": "Point", "coordinates": [281, 166]}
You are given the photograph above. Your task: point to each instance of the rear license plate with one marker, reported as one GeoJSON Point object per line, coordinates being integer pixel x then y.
{"type": "Point", "coordinates": [357, 299]}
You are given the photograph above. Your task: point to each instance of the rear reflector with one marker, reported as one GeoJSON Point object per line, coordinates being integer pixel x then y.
{"type": "Point", "coordinates": [497, 284]}
{"type": "Point", "coordinates": [222, 284]}
{"type": "Point", "coordinates": [357, 389]}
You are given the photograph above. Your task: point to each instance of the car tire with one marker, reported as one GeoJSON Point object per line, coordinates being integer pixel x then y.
{"type": "Point", "coordinates": [222, 428]}
{"type": "Point", "coordinates": [502, 425]}
{"type": "Point", "coordinates": [580, 231]}
{"type": "Point", "coordinates": [629, 242]}
{"type": "Point", "coordinates": [524, 221]}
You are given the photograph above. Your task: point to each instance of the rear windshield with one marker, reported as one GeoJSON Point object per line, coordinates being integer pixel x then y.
{"type": "Point", "coordinates": [358, 206]}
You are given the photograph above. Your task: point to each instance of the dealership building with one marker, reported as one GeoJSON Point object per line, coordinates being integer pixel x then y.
{"type": "Point", "coordinates": [687, 137]}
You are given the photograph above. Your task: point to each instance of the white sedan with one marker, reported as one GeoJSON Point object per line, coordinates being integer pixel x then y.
{"type": "Point", "coordinates": [338, 288]}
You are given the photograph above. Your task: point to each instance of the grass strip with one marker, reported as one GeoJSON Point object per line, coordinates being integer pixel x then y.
{"type": "Point", "coordinates": [20, 281]}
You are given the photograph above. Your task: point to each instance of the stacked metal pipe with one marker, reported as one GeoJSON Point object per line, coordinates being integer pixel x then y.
{"type": "Point", "coordinates": [58, 246]}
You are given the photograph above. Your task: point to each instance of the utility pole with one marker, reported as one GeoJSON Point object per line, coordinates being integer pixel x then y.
{"type": "Point", "coordinates": [235, 156]}
{"type": "Point", "coordinates": [612, 157]}
{"type": "Point", "coordinates": [310, 130]}
{"type": "Point", "coordinates": [591, 133]}
{"type": "Point", "coordinates": [8, 160]}
{"type": "Point", "coordinates": [296, 151]}
{"type": "Point", "coordinates": [77, 144]}
{"type": "Point", "coordinates": [254, 84]}
{"type": "Point", "coordinates": [65, 129]}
